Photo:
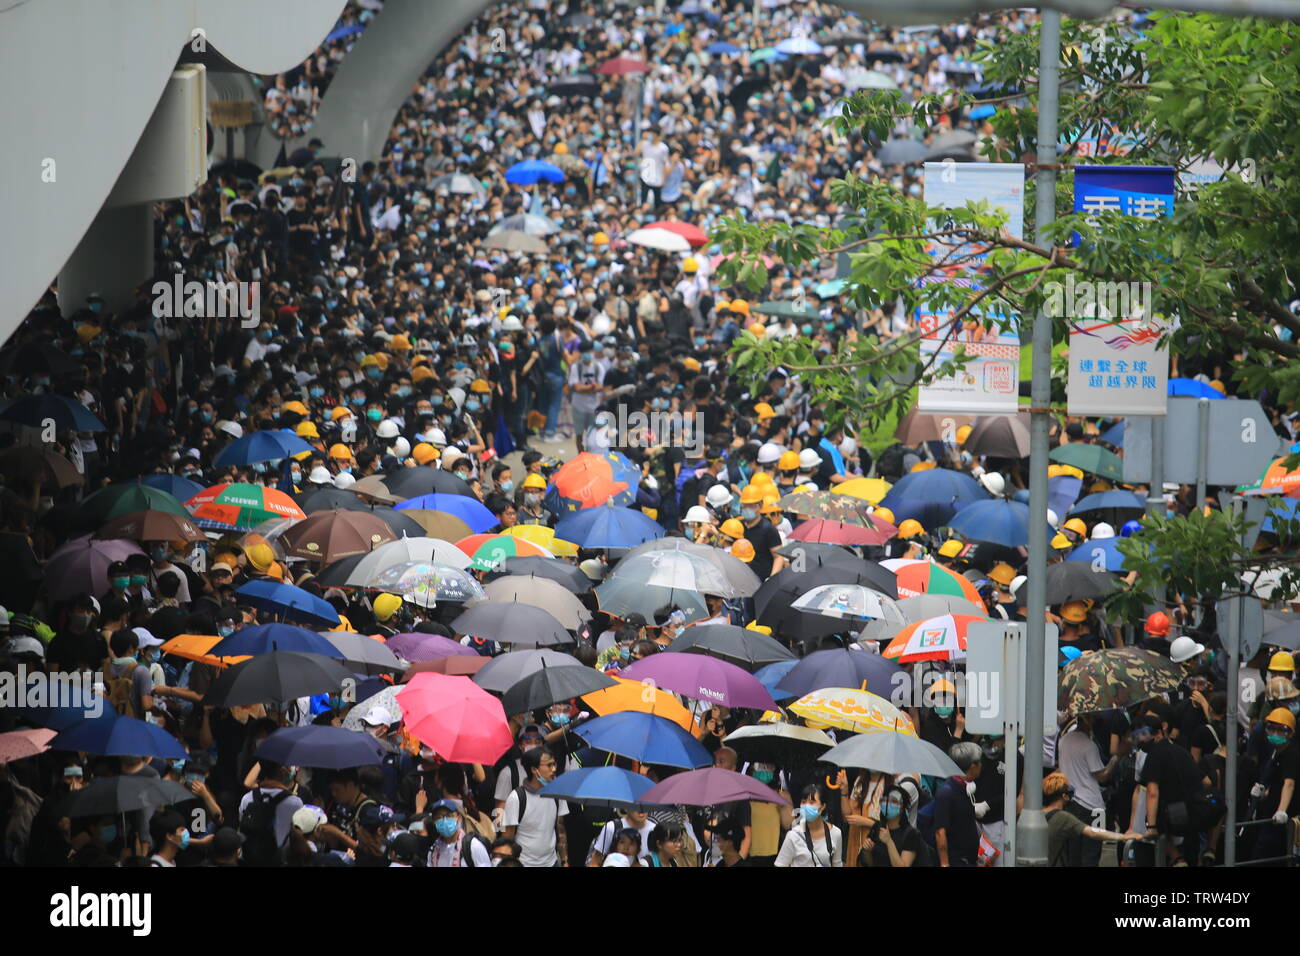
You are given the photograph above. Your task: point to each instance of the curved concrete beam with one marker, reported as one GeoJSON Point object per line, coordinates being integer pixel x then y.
{"type": "Point", "coordinates": [83, 78]}
{"type": "Point", "coordinates": [377, 75]}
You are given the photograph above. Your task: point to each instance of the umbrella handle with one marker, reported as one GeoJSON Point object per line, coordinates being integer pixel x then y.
{"type": "Point", "coordinates": [833, 785]}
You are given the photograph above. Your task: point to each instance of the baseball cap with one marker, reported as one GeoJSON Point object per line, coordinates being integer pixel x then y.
{"type": "Point", "coordinates": [444, 804]}
{"type": "Point", "coordinates": [308, 818]}
{"type": "Point", "coordinates": [379, 715]}
{"type": "Point", "coordinates": [227, 840]}
{"type": "Point", "coordinates": [617, 859]}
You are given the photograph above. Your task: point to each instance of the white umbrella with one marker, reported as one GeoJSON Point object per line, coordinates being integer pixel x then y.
{"type": "Point", "coordinates": [868, 80]}
{"type": "Point", "coordinates": [459, 183]}
{"type": "Point", "coordinates": [526, 222]}
{"type": "Point", "coordinates": [662, 239]}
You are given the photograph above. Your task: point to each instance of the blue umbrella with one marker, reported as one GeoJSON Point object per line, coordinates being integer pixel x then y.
{"type": "Point", "coordinates": [338, 33]}
{"type": "Point", "coordinates": [1191, 388]}
{"type": "Point", "coordinates": [267, 638]}
{"type": "Point", "coordinates": [673, 30]}
{"type": "Point", "coordinates": [1062, 493]}
{"type": "Point", "coordinates": [532, 171]}
{"type": "Point", "coordinates": [328, 748]}
{"type": "Point", "coordinates": [1286, 511]}
{"type": "Point", "coordinates": [599, 787]}
{"type": "Point", "coordinates": [76, 706]}
{"type": "Point", "coordinates": [1115, 434]}
{"type": "Point", "coordinates": [932, 497]}
{"type": "Point", "coordinates": [261, 446]}
{"type": "Point", "coordinates": [1105, 552]}
{"type": "Point", "coordinates": [996, 522]}
{"type": "Point", "coordinates": [770, 675]}
{"type": "Point", "coordinates": [1123, 500]}
{"type": "Point", "coordinates": [830, 288]}
{"type": "Point", "coordinates": [182, 489]}
{"type": "Point", "coordinates": [842, 667]}
{"type": "Point", "coordinates": [767, 53]}
{"type": "Point", "coordinates": [722, 47]}
{"type": "Point", "coordinates": [469, 510]}
{"type": "Point", "coordinates": [66, 413]}
{"type": "Point", "coordinates": [119, 737]}
{"type": "Point", "coordinates": [645, 737]}
{"type": "Point", "coordinates": [606, 527]}
{"type": "Point", "coordinates": [983, 112]}
{"type": "Point", "coordinates": [292, 602]}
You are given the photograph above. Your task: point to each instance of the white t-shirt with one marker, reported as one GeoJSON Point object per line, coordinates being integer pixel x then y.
{"type": "Point", "coordinates": [794, 849]}
{"type": "Point", "coordinates": [506, 781]}
{"type": "Point", "coordinates": [443, 853]}
{"type": "Point", "coordinates": [604, 844]}
{"type": "Point", "coordinates": [1079, 760]}
{"type": "Point", "coordinates": [536, 833]}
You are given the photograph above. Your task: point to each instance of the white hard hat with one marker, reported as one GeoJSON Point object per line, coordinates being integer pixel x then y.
{"type": "Point", "coordinates": [388, 429]}
{"type": "Point", "coordinates": [1053, 518]}
{"type": "Point", "coordinates": [718, 495]}
{"type": "Point", "coordinates": [344, 480]}
{"type": "Point", "coordinates": [457, 395]}
{"type": "Point", "coordinates": [601, 325]}
{"type": "Point", "coordinates": [993, 483]}
{"type": "Point", "coordinates": [849, 446]}
{"type": "Point", "coordinates": [400, 448]}
{"type": "Point", "coordinates": [451, 456]}
{"type": "Point", "coordinates": [436, 438]}
{"type": "Point", "coordinates": [511, 323]}
{"type": "Point", "coordinates": [1184, 649]}
{"type": "Point", "coordinates": [1101, 531]}
{"type": "Point", "coordinates": [320, 475]}
{"type": "Point", "coordinates": [696, 514]}
{"type": "Point", "coordinates": [769, 452]}
{"type": "Point", "coordinates": [809, 459]}
{"type": "Point", "coordinates": [1017, 583]}
{"type": "Point", "coordinates": [233, 429]}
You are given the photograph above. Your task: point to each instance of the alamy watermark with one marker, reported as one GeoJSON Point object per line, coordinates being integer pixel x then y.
{"type": "Point", "coordinates": [213, 299]}
{"type": "Point", "coordinates": [75, 689]}
{"type": "Point", "coordinates": [637, 429]}
{"type": "Point", "coordinates": [1085, 299]}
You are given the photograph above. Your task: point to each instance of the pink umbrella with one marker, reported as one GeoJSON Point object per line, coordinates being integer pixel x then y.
{"type": "Point", "coordinates": [709, 788]}
{"type": "Point", "coordinates": [18, 744]}
{"type": "Point", "coordinates": [622, 66]}
{"type": "Point", "coordinates": [461, 721]}
{"type": "Point", "coordinates": [692, 234]}
{"type": "Point", "coordinates": [414, 646]}
{"type": "Point", "coordinates": [82, 565]}
{"type": "Point", "coordinates": [838, 532]}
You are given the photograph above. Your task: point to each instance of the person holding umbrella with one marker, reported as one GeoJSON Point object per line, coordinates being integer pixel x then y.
{"type": "Point", "coordinates": [813, 840]}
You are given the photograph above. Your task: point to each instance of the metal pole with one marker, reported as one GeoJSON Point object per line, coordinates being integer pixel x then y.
{"type": "Point", "coordinates": [1156, 496]}
{"type": "Point", "coordinates": [1203, 462]}
{"type": "Point", "coordinates": [1233, 646]}
{"type": "Point", "coordinates": [1031, 838]}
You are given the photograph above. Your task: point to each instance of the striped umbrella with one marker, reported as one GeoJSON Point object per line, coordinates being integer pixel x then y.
{"type": "Point", "coordinates": [926, 577]}
{"type": "Point", "coordinates": [243, 506]}
{"type": "Point", "coordinates": [934, 639]}
{"type": "Point", "coordinates": [488, 552]}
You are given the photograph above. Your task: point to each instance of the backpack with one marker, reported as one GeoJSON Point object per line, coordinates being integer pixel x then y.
{"type": "Point", "coordinates": [257, 824]}
{"type": "Point", "coordinates": [925, 827]}
{"type": "Point", "coordinates": [466, 848]}
{"type": "Point", "coordinates": [119, 692]}
{"type": "Point", "coordinates": [687, 473]}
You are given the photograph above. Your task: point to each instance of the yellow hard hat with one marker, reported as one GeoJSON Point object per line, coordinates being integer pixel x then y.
{"type": "Point", "coordinates": [690, 265]}
{"type": "Point", "coordinates": [386, 605]}
{"type": "Point", "coordinates": [423, 453]}
{"type": "Point", "coordinates": [420, 373]}
{"type": "Point", "coordinates": [910, 528]}
{"type": "Point", "coordinates": [751, 494]}
{"type": "Point", "coordinates": [399, 343]}
{"type": "Point", "coordinates": [382, 359]}
{"type": "Point", "coordinates": [758, 329]}
{"type": "Point", "coordinates": [1219, 387]}
{"type": "Point", "coordinates": [789, 461]}
{"type": "Point", "coordinates": [296, 407]}
{"type": "Point", "coordinates": [340, 411]}
{"type": "Point", "coordinates": [1002, 574]}
{"type": "Point", "coordinates": [770, 506]}
{"type": "Point", "coordinates": [480, 385]}
{"type": "Point", "coordinates": [884, 514]}
{"type": "Point", "coordinates": [922, 466]}
{"type": "Point", "coordinates": [963, 433]}
{"type": "Point", "coordinates": [1076, 525]}
{"type": "Point", "coordinates": [260, 556]}
{"type": "Point", "coordinates": [344, 625]}
{"type": "Point", "coordinates": [1281, 715]}
{"type": "Point", "coordinates": [341, 452]}
{"type": "Point", "coordinates": [534, 481]}
{"type": "Point", "coordinates": [561, 148]}
{"type": "Point", "coordinates": [306, 430]}
{"type": "Point", "coordinates": [739, 305]}
{"type": "Point", "coordinates": [1074, 612]}
{"type": "Point", "coordinates": [1281, 661]}
{"type": "Point", "coordinates": [744, 549]}
{"type": "Point", "coordinates": [600, 239]}
{"type": "Point", "coordinates": [733, 528]}
{"type": "Point", "coordinates": [950, 548]}
{"type": "Point", "coordinates": [1060, 542]}
{"type": "Point", "coordinates": [763, 480]}
{"type": "Point", "coordinates": [691, 364]}
{"type": "Point", "coordinates": [764, 410]}
{"type": "Point", "coordinates": [275, 571]}
{"type": "Point", "coordinates": [755, 626]}
{"type": "Point", "coordinates": [370, 361]}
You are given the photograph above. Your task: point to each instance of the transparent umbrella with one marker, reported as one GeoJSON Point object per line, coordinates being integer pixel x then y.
{"type": "Point", "coordinates": [424, 584]}
{"type": "Point", "coordinates": [679, 570]}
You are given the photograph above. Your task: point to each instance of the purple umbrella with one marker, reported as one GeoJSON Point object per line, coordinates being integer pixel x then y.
{"type": "Point", "coordinates": [704, 678]}
{"type": "Point", "coordinates": [710, 787]}
{"type": "Point", "coordinates": [82, 565]}
{"type": "Point", "coordinates": [414, 646]}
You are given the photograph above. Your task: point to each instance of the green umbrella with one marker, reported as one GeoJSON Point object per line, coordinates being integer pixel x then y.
{"type": "Point", "coordinates": [123, 499]}
{"type": "Point", "coordinates": [1115, 677]}
{"type": "Point", "coordinates": [786, 310]}
{"type": "Point", "coordinates": [1090, 458]}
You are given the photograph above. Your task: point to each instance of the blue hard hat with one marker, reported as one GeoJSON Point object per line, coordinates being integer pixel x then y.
{"type": "Point", "coordinates": [1130, 528]}
{"type": "Point", "coordinates": [1069, 653]}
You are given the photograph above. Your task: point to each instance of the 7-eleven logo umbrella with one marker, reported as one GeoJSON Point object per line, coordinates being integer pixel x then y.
{"type": "Point", "coordinates": [934, 639]}
{"type": "Point", "coordinates": [1276, 480]}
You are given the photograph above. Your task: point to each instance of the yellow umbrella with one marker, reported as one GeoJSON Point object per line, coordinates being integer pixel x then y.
{"type": "Point", "coordinates": [855, 710]}
{"type": "Point", "coordinates": [544, 537]}
{"type": "Point", "coordinates": [870, 490]}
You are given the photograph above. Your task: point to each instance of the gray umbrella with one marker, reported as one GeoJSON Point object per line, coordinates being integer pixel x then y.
{"type": "Point", "coordinates": [114, 795]}
{"type": "Point", "coordinates": [900, 152]}
{"type": "Point", "coordinates": [560, 572]}
{"type": "Point", "coordinates": [512, 240]}
{"type": "Point", "coordinates": [526, 222]}
{"type": "Point", "coordinates": [386, 698]}
{"type": "Point", "coordinates": [888, 751]}
{"type": "Point", "coordinates": [521, 624]}
{"type": "Point", "coordinates": [364, 653]}
{"type": "Point", "coordinates": [956, 137]}
{"type": "Point", "coordinates": [1282, 629]}
{"type": "Point", "coordinates": [459, 183]}
{"type": "Point", "coordinates": [536, 591]}
{"type": "Point", "coordinates": [624, 597]}
{"type": "Point", "coordinates": [502, 673]}
{"type": "Point", "coordinates": [736, 645]}
{"type": "Point", "coordinates": [1003, 436]}
{"type": "Point", "coordinates": [548, 685]}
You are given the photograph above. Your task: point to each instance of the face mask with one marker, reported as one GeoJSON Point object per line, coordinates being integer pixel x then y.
{"type": "Point", "coordinates": [69, 772]}
{"type": "Point", "coordinates": [446, 827]}
{"type": "Point", "coordinates": [374, 374]}
{"type": "Point", "coordinates": [80, 621]}
{"type": "Point", "coordinates": [763, 776]}
{"type": "Point", "coordinates": [206, 416]}
{"type": "Point", "coordinates": [462, 475]}
{"type": "Point", "coordinates": [108, 834]}
{"type": "Point", "coordinates": [225, 630]}
{"type": "Point", "coordinates": [178, 765]}
{"type": "Point", "coordinates": [507, 487]}
{"type": "Point", "coordinates": [471, 406]}
{"type": "Point", "coordinates": [120, 583]}
{"type": "Point", "coordinates": [345, 381]}
{"type": "Point", "coordinates": [1277, 740]}
{"type": "Point", "coordinates": [358, 400]}
{"type": "Point", "coordinates": [944, 712]}
{"type": "Point", "coordinates": [316, 392]}
{"type": "Point", "coordinates": [532, 500]}
{"type": "Point", "coordinates": [158, 554]}
{"type": "Point", "coordinates": [892, 811]}
{"type": "Point", "coordinates": [404, 391]}
{"type": "Point", "coordinates": [374, 415]}
{"type": "Point", "coordinates": [810, 812]}
{"type": "Point", "coordinates": [690, 532]}
{"type": "Point", "coordinates": [185, 839]}
{"type": "Point", "coordinates": [749, 514]}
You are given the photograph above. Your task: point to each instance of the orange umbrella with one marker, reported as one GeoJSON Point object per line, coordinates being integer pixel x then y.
{"type": "Point", "coordinates": [940, 638]}
{"type": "Point", "coordinates": [1276, 480]}
{"type": "Point", "coordinates": [644, 698]}
{"type": "Point", "coordinates": [926, 577]}
{"type": "Point", "coordinates": [195, 647]}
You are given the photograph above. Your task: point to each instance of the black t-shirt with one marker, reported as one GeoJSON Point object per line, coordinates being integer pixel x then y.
{"type": "Point", "coordinates": [1173, 770]}
{"type": "Point", "coordinates": [992, 782]}
{"type": "Point", "coordinates": [78, 651]}
{"type": "Point", "coordinates": [1284, 766]}
{"type": "Point", "coordinates": [905, 838]}
{"type": "Point", "coordinates": [764, 538]}
{"type": "Point", "coordinates": [955, 814]}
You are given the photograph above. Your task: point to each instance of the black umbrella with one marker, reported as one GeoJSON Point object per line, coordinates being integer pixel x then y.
{"type": "Point", "coordinates": [329, 748]}
{"type": "Point", "coordinates": [579, 84]}
{"type": "Point", "coordinates": [785, 745]}
{"type": "Point", "coordinates": [402, 524]}
{"type": "Point", "coordinates": [578, 20]}
{"type": "Point", "coordinates": [414, 482]}
{"type": "Point", "coordinates": [335, 574]}
{"type": "Point", "coordinates": [736, 645]}
{"type": "Point", "coordinates": [276, 677]}
{"type": "Point", "coordinates": [113, 795]}
{"type": "Point", "coordinates": [742, 91]}
{"type": "Point", "coordinates": [844, 39]}
{"type": "Point", "coordinates": [558, 571]}
{"type": "Point", "coordinates": [884, 55]}
{"type": "Point", "coordinates": [22, 360]}
{"type": "Point", "coordinates": [958, 154]}
{"type": "Point", "coordinates": [843, 667]}
{"type": "Point", "coordinates": [330, 499]}
{"type": "Point", "coordinates": [551, 684]}
{"type": "Point", "coordinates": [1077, 581]}
{"type": "Point", "coordinates": [817, 553]}
{"type": "Point", "coordinates": [783, 588]}
{"type": "Point", "coordinates": [512, 623]}
{"type": "Point", "coordinates": [503, 672]}
{"type": "Point", "coordinates": [900, 152]}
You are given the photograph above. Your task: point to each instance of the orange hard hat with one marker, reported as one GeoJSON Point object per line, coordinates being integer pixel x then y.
{"type": "Point", "coordinates": [1158, 624]}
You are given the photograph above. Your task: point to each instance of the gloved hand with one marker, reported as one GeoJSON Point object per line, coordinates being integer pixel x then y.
{"type": "Point", "coordinates": [981, 808]}
{"type": "Point", "coordinates": [970, 789]}
{"type": "Point", "coordinates": [1280, 818]}
{"type": "Point", "coordinates": [1257, 790]}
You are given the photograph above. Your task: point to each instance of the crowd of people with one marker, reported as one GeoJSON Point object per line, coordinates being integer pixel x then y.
{"type": "Point", "coordinates": [391, 338]}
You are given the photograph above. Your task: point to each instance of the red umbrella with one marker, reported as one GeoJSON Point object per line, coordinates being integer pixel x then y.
{"type": "Point", "coordinates": [692, 234]}
{"type": "Point", "coordinates": [622, 66]}
{"type": "Point", "coordinates": [837, 532]}
{"type": "Point", "coordinates": [456, 717]}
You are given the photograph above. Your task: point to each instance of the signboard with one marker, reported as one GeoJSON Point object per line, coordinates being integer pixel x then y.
{"type": "Point", "coordinates": [1116, 364]}
{"type": "Point", "coordinates": [990, 382]}
{"type": "Point", "coordinates": [995, 661]}
{"type": "Point", "coordinates": [1241, 438]}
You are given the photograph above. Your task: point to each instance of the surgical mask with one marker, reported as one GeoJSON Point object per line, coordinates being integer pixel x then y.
{"type": "Point", "coordinates": [206, 416]}
{"type": "Point", "coordinates": [138, 580]}
{"type": "Point", "coordinates": [1277, 740]}
{"type": "Point", "coordinates": [120, 583]}
{"type": "Point", "coordinates": [471, 406]}
{"type": "Point", "coordinates": [462, 474]}
{"type": "Point", "coordinates": [345, 381]}
{"type": "Point", "coordinates": [316, 392]}
{"type": "Point", "coordinates": [178, 765]}
{"type": "Point", "coordinates": [446, 826]}
{"type": "Point", "coordinates": [944, 712]}
{"type": "Point", "coordinates": [749, 514]}
{"type": "Point", "coordinates": [404, 391]}
{"type": "Point", "coordinates": [892, 811]}
{"type": "Point", "coordinates": [506, 487]}
{"type": "Point", "coordinates": [375, 415]}
{"type": "Point", "coordinates": [358, 400]}
{"type": "Point", "coordinates": [690, 532]}
{"type": "Point", "coordinates": [763, 776]}
{"type": "Point", "coordinates": [810, 812]}
{"type": "Point", "coordinates": [185, 839]}
{"type": "Point", "coordinates": [225, 630]}
{"type": "Point", "coordinates": [374, 374]}
{"type": "Point", "coordinates": [532, 500]}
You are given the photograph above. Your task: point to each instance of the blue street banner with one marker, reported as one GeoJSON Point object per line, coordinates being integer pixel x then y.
{"type": "Point", "coordinates": [1117, 366]}
{"type": "Point", "coordinates": [990, 382]}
